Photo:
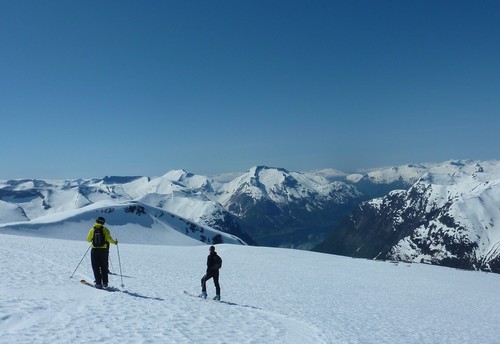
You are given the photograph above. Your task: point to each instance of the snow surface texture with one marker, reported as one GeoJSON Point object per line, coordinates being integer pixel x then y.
{"type": "Point", "coordinates": [271, 296]}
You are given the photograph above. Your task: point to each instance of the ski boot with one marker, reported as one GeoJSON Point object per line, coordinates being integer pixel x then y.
{"type": "Point", "coordinates": [203, 294]}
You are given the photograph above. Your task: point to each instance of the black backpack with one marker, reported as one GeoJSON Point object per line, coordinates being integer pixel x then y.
{"type": "Point", "coordinates": [98, 240]}
{"type": "Point", "coordinates": [218, 262]}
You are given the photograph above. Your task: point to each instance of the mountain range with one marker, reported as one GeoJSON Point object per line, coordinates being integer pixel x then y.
{"type": "Point", "coordinates": [450, 216]}
{"type": "Point", "coordinates": [444, 213]}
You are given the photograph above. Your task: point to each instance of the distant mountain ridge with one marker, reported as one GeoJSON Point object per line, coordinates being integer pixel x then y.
{"type": "Point", "coordinates": [395, 213]}
{"type": "Point", "coordinates": [450, 216]}
{"type": "Point", "coordinates": [265, 205]}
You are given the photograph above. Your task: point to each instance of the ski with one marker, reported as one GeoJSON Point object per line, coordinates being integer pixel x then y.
{"type": "Point", "coordinates": [93, 286]}
{"type": "Point", "coordinates": [220, 301]}
{"type": "Point", "coordinates": [198, 296]}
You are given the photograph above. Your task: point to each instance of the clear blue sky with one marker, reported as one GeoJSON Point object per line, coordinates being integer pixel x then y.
{"type": "Point", "coordinates": [96, 88]}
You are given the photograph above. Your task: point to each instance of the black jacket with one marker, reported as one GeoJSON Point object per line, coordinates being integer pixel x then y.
{"type": "Point", "coordinates": [214, 262]}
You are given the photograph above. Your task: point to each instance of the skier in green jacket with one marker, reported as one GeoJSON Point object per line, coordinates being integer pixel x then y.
{"type": "Point", "coordinates": [100, 238]}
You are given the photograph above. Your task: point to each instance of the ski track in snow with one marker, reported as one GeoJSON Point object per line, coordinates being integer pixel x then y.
{"type": "Point", "coordinates": [273, 295]}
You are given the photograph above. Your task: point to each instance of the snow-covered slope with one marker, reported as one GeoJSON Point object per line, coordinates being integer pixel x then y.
{"type": "Point", "coordinates": [450, 217]}
{"type": "Point", "coordinates": [131, 222]}
{"type": "Point", "coordinates": [11, 213]}
{"type": "Point", "coordinates": [272, 296]}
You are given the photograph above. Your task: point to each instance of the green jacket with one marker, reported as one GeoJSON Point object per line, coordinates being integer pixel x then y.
{"type": "Point", "coordinates": [107, 236]}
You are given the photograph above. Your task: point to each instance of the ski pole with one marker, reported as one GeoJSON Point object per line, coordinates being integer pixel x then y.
{"type": "Point", "coordinates": [111, 262]}
{"type": "Point", "coordinates": [120, 265]}
{"type": "Point", "coordinates": [81, 260]}
{"type": "Point", "coordinates": [112, 266]}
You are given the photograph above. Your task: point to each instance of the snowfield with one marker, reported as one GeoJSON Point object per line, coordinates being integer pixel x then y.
{"type": "Point", "coordinates": [270, 296]}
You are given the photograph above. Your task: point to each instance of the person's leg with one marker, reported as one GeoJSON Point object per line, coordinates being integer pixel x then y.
{"type": "Point", "coordinates": [102, 266]}
{"type": "Point", "coordinates": [216, 282]}
{"type": "Point", "coordinates": [94, 257]}
{"type": "Point", "coordinates": [105, 268]}
{"type": "Point", "coordinates": [204, 280]}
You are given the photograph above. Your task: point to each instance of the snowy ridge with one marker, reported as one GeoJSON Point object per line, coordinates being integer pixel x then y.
{"type": "Point", "coordinates": [130, 222]}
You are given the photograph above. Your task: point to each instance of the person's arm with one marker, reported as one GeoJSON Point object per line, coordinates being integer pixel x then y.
{"type": "Point", "coordinates": [90, 235]}
{"type": "Point", "coordinates": [108, 237]}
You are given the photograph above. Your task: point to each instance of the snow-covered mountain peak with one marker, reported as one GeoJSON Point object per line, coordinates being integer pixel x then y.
{"type": "Point", "coordinates": [276, 184]}
{"type": "Point", "coordinates": [411, 173]}
{"type": "Point", "coordinates": [190, 180]}
{"type": "Point", "coordinates": [280, 193]}
{"type": "Point", "coordinates": [176, 174]}
{"type": "Point", "coordinates": [248, 182]}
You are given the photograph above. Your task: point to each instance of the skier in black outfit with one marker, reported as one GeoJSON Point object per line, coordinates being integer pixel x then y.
{"type": "Point", "coordinates": [214, 263]}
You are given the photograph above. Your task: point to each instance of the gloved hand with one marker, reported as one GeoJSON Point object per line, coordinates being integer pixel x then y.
{"type": "Point", "coordinates": [116, 241]}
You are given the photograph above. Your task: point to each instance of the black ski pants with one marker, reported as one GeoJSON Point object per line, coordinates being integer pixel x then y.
{"type": "Point", "coordinates": [211, 274]}
{"type": "Point", "coordinates": [99, 257]}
